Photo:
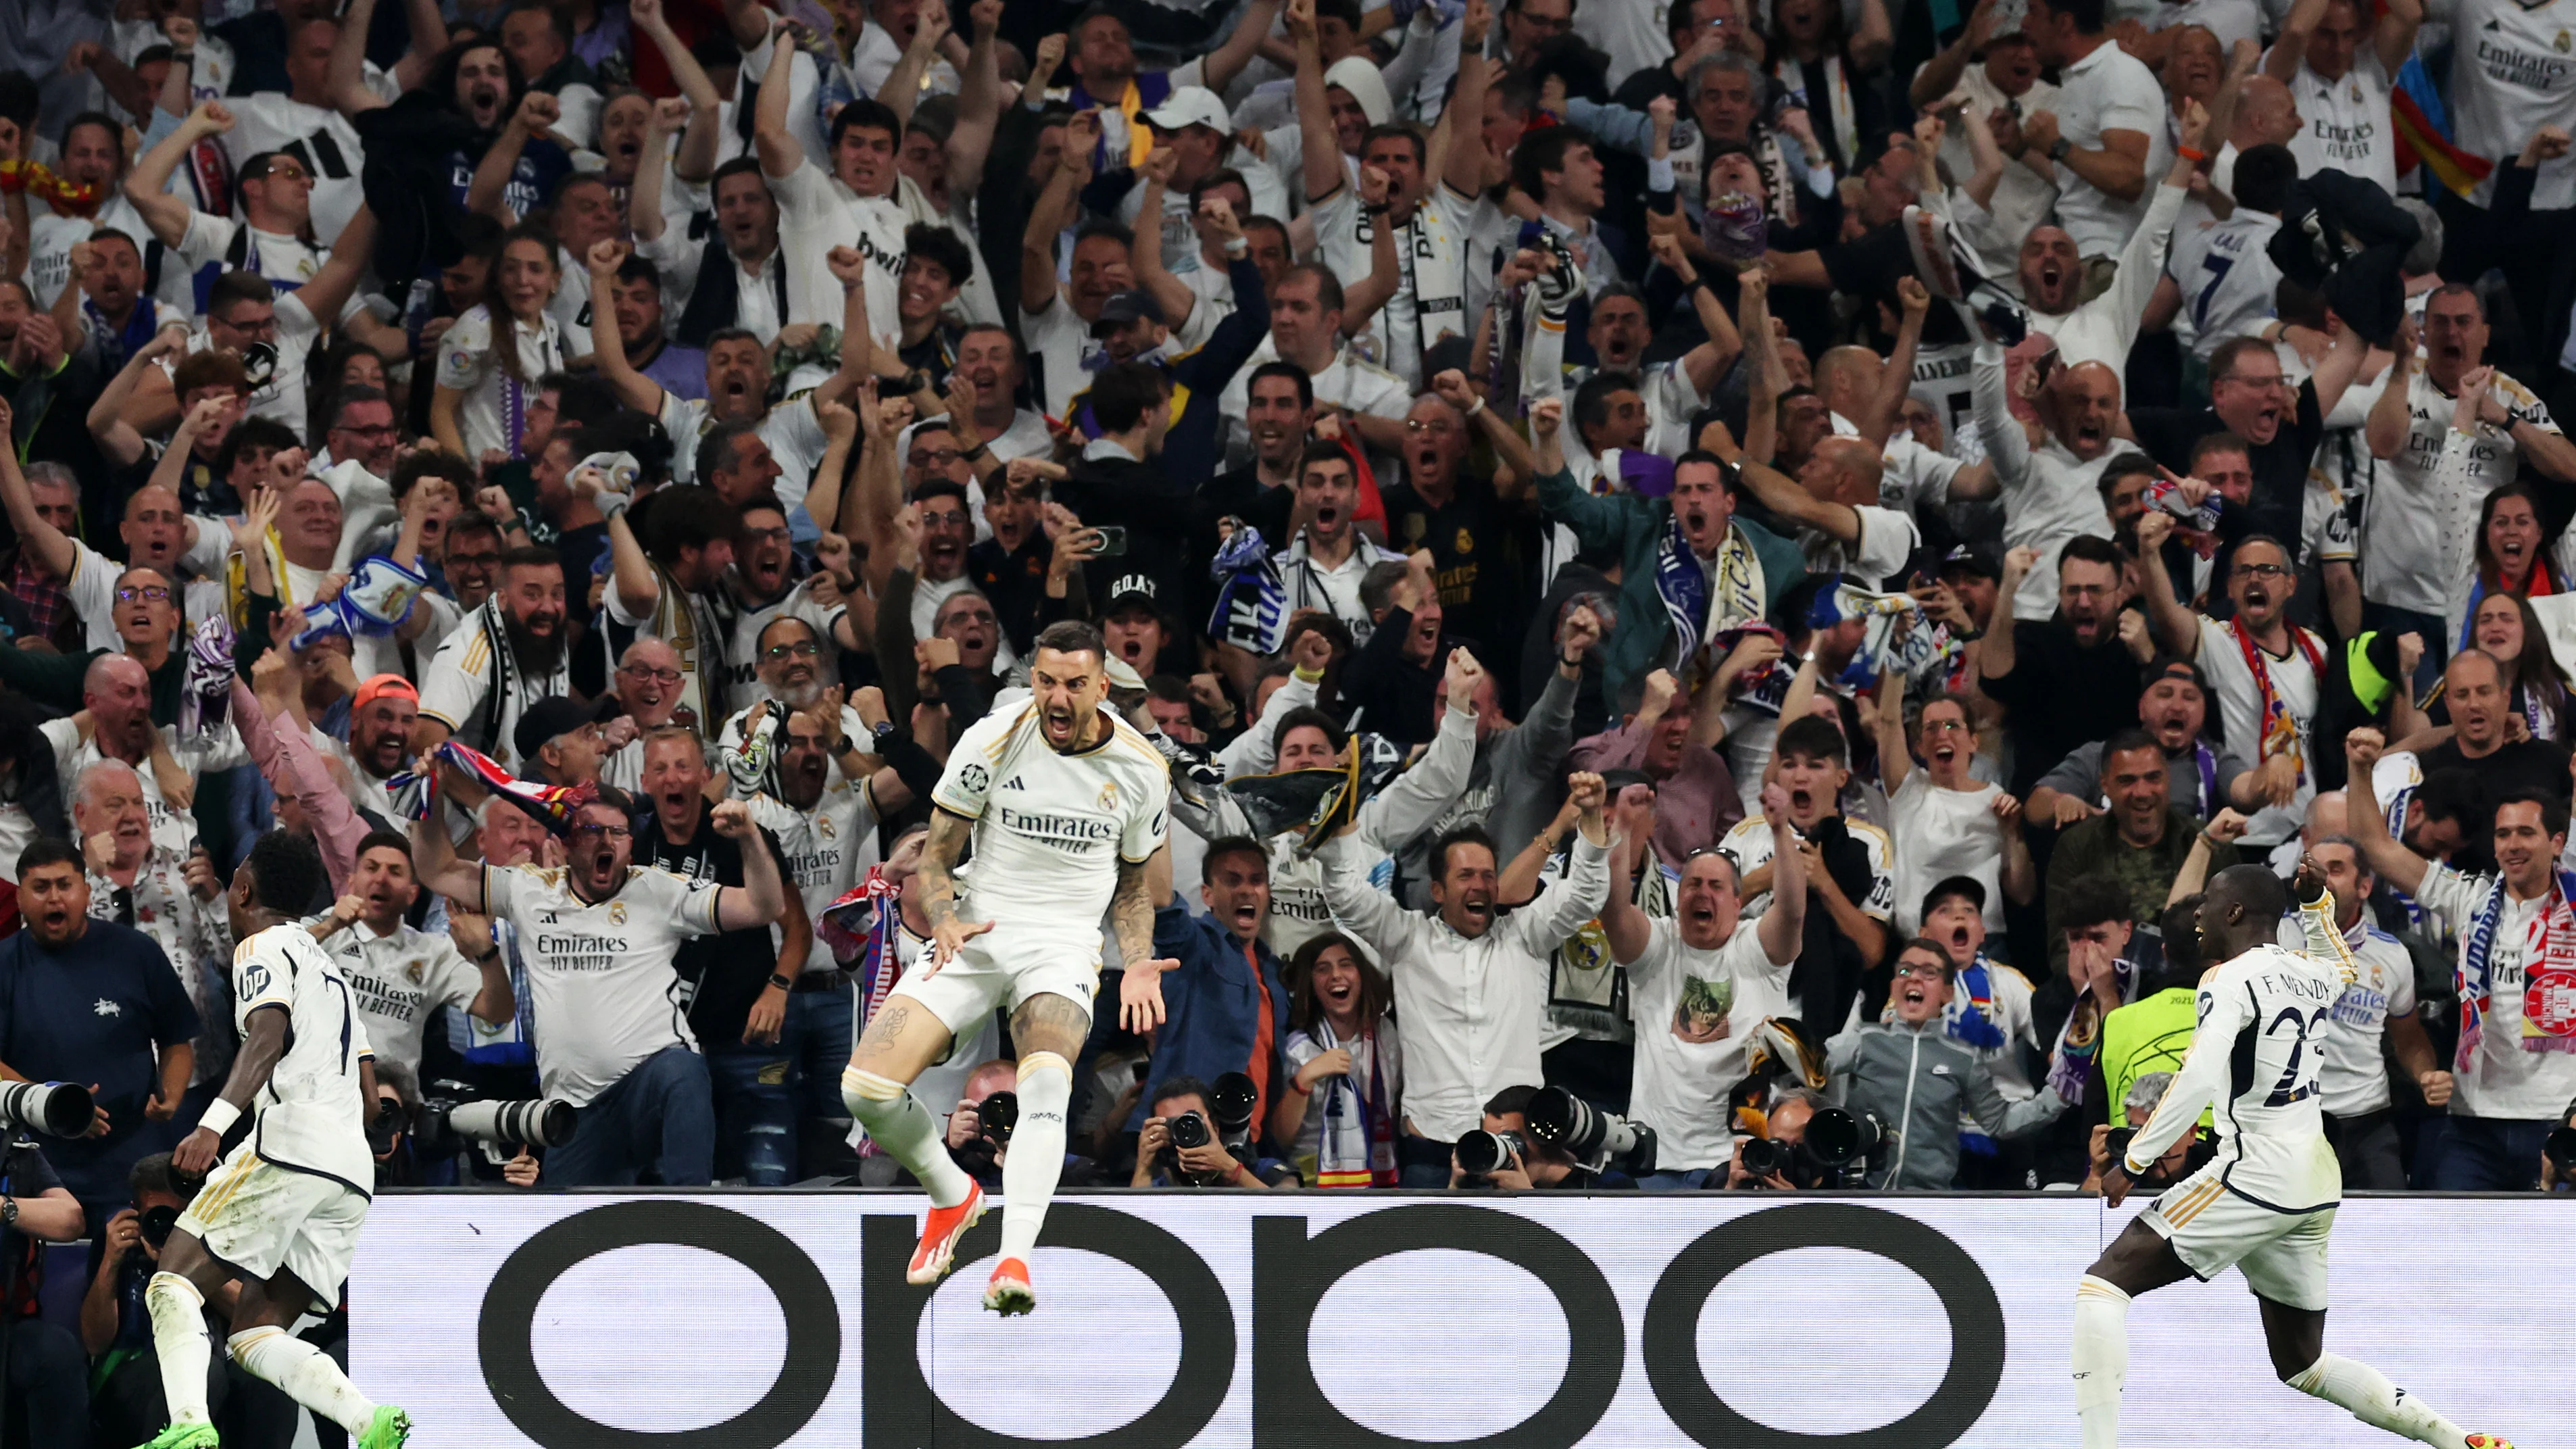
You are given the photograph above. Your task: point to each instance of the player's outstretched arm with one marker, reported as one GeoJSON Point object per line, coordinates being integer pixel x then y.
{"type": "Point", "coordinates": [263, 1043]}
{"type": "Point", "coordinates": [1131, 910]}
{"type": "Point", "coordinates": [761, 898]}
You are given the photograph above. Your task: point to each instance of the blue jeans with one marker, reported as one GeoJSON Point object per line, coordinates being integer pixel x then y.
{"type": "Point", "coordinates": [2490, 1154]}
{"type": "Point", "coordinates": [762, 1093]}
{"type": "Point", "coordinates": [661, 1115]}
{"type": "Point", "coordinates": [1688, 1179]}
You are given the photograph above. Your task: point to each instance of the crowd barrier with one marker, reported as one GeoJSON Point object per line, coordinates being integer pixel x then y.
{"type": "Point", "coordinates": [1245, 1320]}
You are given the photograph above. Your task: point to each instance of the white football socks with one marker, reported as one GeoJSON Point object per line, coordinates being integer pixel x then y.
{"type": "Point", "coordinates": [897, 1122]}
{"type": "Point", "coordinates": [306, 1373]}
{"type": "Point", "coordinates": [1036, 1158]}
{"type": "Point", "coordinates": [2101, 1359]}
{"type": "Point", "coordinates": [179, 1340]}
{"type": "Point", "coordinates": [2377, 1402]}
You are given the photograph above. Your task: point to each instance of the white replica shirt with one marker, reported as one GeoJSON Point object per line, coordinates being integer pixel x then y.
{"type": "Point", "coordinates": [276, 381]}
{"type": "Point", "coordinates": [287, 262]}
{"type": "Point", "coordinates": [2419, 524]}
{"type": "Point", "coordinates": [2229, 20]}
{"type": "Point", "coordinates": [2253, 1056]}
{"type": "Point", "coordinates": [400, 980]}
{"type": "Point", "coordinates": [311, 1115]}
{"type": "Point", "coordinates": [460, 678]}
{"type": "Point", "coordinates": [2227, 279]}
{"type": "Point", "coordinates": [816, 213]}
{"type": "Point", "coordinates": [1052, 830]}
{"type": "Point", "coordinates": [599, 976]}
{"type": "Point", "coordinates": [1694, 1011]}
{"type": "Point", "coordinates": [1395, 336]}
{"type": "Point", "coordinates": [828, 848]}
{"type": "Point", "coordinates": [1887, 539]}
{"type": "Point", "coordinates": [1945, 379]}
{"type": "Point", "coordinates": [2355, 1079]}
{"type": "Point", "coordinates": [1347, 382]}
{"type": "Point", "coordinates": [494, 409]}
{"type": "Point", "coordinates": [2513, 67]}
{"type": "Point", "coordinates": [1941, 833]}
{"type": "Point", "coordinates": [2110, 90]}
{"type": "Point", "coordinates": [92, 591]}
{"type": "Point", "coordinates": [1059, 342]}
{"type": "Point", "coordinates": [322, 139]}
{"type": "Point", "coordinates": [1749, 846]}
{"type": "Point", "coordinates": [2348, 128]}
{"type": "Point", "coordinates": [2503, 1080]}
{"type": "Point", "coordinates": [2240, 712]}
{"type": "Point", "coordinates": [2049, 494]}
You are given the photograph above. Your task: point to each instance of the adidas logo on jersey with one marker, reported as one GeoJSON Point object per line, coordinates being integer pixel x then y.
{"type": "Point", "coordinates": [1013, 783]}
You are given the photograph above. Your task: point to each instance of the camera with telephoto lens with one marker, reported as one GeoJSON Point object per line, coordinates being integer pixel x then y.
{"type": "Point", "coordinates": [454, 1119]}
{"type": "Point", "coordinates": [1189, 1130]}
{"type": "Point", "coordinates": [1762, 1157]}
{"type": "Point", "coordinates": [156, 1223]}
{"type": "Point", "coordinates": [1597, 1139]}
{"type": "Point", "coordinates": [1842, 1141]}
{"type": "Point", "coordinates": [1232, 1099]}
{"type": "Point", "coordinates": [1482, 1153]}
{"type": "Point", "coordinates": [53, 1109]}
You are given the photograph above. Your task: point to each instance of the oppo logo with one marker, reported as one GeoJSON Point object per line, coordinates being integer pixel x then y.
{"type": "Point", "coordinates": [1292, 1270]}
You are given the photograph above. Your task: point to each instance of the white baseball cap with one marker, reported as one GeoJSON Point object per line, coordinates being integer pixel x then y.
{"type": "Point", "coordinates": [1190, 106]}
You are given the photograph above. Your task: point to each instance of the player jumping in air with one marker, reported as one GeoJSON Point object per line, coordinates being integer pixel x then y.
{"type": "Point", "coordinates": [1066, 806]}
{"type": "Point", "coordinates": [2266, 1203]}
{"type": "Point", "coordinates": [282, 1211]}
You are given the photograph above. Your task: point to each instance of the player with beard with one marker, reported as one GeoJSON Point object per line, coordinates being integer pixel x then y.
{"type": "Point", "coordinates": [1065, 805]}
{"type": "Point", "coordinates": [509, 655]}
{"type": "Point", "coordinates": [402, 976]}
{"type": "Point", "coordinates": [2266, 1205]}
{"type": "Point", "coordinates": [2271, 676]}
{"type": "Point", "coordinates": [599, 935]}
{"type": "Point", "coordinates": [282, 1211]}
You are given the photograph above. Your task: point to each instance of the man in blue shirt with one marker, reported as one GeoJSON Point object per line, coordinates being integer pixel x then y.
{"type": "Point", "coordinates": [90, 1001]}
{"type": "Point", "coordinates": [1226, 1008]}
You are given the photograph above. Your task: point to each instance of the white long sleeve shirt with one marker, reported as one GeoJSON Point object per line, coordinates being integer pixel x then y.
{"type": "Point", "coordinates": [1471, 1009]}
{"type": "Point", "coordinates": [2050, 495]}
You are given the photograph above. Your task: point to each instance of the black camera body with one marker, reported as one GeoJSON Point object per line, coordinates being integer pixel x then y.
{"type": "Point", "coordinates": [1190, 1130]}
{"type": "Point", "coordinates": [1843, 1143]}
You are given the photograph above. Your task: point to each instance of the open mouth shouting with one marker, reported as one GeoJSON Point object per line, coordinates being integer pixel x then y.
{"type": "Point", "coordinates": [1914, 998]}
{"type": "Point", "coordinates": [1478, 907]}
{"type": "Point", "coordinates": [1339, 991]}
{"type": "Point", "coordinates": [1060, 725]}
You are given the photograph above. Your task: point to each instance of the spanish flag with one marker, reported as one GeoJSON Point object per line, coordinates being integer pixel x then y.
{"type": "Point", "coordinates": [2424, 132]}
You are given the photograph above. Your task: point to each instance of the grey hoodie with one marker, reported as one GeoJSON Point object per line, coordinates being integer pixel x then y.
{"type": "Point", "coordinates": [1919, 1080]}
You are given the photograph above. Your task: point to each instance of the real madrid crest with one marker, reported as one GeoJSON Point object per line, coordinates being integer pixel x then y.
{"type": "Point", "coordinates": [2562, 42]}
{"type": "Point", "coordinates": [1109, 796]}
{"type": "Point", "coordinates": [617, 912]}
{"type": "Point", "coordinates": [823, 827]}
{"type": "Point", "coordinates": [415, 971]}
{"type": "Point", "coordinates": [1466, 542]}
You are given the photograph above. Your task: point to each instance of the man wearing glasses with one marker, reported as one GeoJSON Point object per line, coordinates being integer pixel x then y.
{"type": "Point", "coordinates": [600, 935]}
{"type": "Point", "coordinates": [2268, 673]}
{"type": "Point", "coordinates": [763, 588]}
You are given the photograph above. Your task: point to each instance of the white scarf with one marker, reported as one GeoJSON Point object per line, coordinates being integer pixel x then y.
{"type": "Point", "coordinates": [1436, 265]}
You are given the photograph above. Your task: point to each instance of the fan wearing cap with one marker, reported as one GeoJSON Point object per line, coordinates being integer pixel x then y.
{"type": "Point", "coordinates": [381, 716]}
{"type": "Point", "coordinates": [559, 740]}
{"type": "Point", "coordinates": [2201, 777]}
{"type": "Point", "coordinates": [1138, 631]}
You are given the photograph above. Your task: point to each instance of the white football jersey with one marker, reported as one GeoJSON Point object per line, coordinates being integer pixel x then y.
{"type": "Point", "coordinates": [2228, 281]}
{"type": "Point", "coordinates": [1052, 829]}
{"type": "Point", "coordinates": [1749, 846]}
{"type": "Point", "coordinates": [312, 1115]}
{"type": "Point", "coordinates": [828, 847]}
{"type": "Point", "coordinates": [2257, 1053]}
{"type": "Point", "coordinates": [599, 975]}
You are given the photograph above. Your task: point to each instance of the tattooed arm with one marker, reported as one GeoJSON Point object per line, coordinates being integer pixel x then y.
{"type": "Point", "coordinates": [1131, 911]}
{"type": "Point", "coordinates": [949, 832]}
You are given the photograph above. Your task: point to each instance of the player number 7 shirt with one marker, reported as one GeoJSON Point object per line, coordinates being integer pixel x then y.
{"type": "Point", "coordinates": [309, 1116]}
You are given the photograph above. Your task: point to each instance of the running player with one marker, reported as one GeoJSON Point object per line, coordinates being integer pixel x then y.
{"type": "Point", "coordinates": [282, 1212]}
{"type": "Point", "coordinates": [1067, 808]}
{"type": "Point", "coordinates": [2266, 1203]}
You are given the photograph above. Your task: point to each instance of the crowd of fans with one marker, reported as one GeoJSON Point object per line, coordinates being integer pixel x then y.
{"type": "Point", "coordinates": [1799, 533]}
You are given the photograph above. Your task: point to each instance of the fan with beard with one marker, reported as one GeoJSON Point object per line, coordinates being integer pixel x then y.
{"type": "Point", "coordinates": [538, 655]}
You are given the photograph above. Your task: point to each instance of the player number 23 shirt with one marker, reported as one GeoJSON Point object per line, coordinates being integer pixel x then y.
{"type": "Point", "coordinates": [1052, 829]}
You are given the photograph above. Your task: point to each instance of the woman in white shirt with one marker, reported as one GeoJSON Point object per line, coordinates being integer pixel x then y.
{"type": "Point", "coordinates": [1345, 1107]}
{"type": "Point", "coordinates": [1943, 821]}
{"type": "Point", "coordinates": [483, 391]}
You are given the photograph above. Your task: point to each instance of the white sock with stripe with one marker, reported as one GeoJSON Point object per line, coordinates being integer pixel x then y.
{"type": "Point", "coordinates": [2101, 1359]}
{"type": "Point", "coordinates": [1036, 1160]}
{"type": "Point", "coordinates": [2377, 1402]}
{"type": "Point", "coordinates": [897, 1122]}
{"type": "Point", "coordinates": [306, 1373]}
{"type": "Point", "coordinates": [179, 1340]}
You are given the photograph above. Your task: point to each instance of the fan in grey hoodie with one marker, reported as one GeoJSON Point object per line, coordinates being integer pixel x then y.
{"type": "Point", "coordinates": [1918, 1080]}
{"type": "Point", "coordinates": [1512, 786]}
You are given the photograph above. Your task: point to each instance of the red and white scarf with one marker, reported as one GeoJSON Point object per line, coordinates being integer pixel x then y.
{"type": "Point", "coordinates": [2548, 972]}
{"type": "Point", "coordinates": [2280, 733]}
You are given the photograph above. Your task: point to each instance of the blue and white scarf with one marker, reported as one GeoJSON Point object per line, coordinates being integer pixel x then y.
{"type": "Point", "coordinates": [1251, 603]}
{"type": "Point", "coordinates": [1683, 582]}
